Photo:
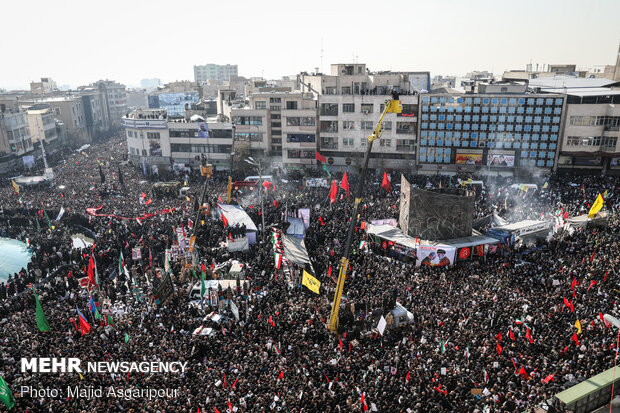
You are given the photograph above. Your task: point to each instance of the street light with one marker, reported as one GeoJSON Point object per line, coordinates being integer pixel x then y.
{"type": "Point", "coordinates": [258, 165]}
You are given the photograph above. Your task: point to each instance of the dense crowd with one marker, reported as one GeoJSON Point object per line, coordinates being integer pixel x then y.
{"type": "Point", "coordinates": [497, 325]}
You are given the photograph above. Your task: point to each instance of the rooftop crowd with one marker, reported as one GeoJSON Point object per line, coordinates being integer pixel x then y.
{"type": "Point", "coordinates": [499, 324]}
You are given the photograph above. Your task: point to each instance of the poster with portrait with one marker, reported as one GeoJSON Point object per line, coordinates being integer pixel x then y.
{"type": "Point", "coordinates": [500, 159]}
{"type": "Point", "coordinates": [433, 256]}
{"type": "Point", "coordinates": [203, 130]}
{"type": "Point", "coordinates": [468, 158]}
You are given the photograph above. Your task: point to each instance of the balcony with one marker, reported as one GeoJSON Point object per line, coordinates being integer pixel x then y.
{"type": "Point", "coordinates": [329, 112]}
{"type": "Point", "coordinates": [405, 148]}
{"type": "Point", "coordinates": [329, 146]}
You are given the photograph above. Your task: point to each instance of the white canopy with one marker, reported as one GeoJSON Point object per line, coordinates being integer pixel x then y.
{"type": "Point", "coordinates": [295, 250]}
{"type": "Point", "coordinates": [525, 227]}
{"type": "Point", "coordinates": [395, 235]}
{"type": "Point", "coordinates": [391, 233]}
{"type": "Point", "coordinates": [236, 215]}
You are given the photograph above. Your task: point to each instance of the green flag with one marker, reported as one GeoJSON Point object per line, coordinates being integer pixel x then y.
{"type": "Point", "coordinates": [41, 320]}
{"type": "Point", "coordinates": [6, 396]}
{"type": "Point", "coordinates": [38, 226]}
{"type": "Point", "coordinates": [327, 170]}
{"type": "Point", "coordinates": [126, 338]}
{"type": "Point", "coordinates": [202, 286]}
{"type": "Point", "coordinates": [49, 223]}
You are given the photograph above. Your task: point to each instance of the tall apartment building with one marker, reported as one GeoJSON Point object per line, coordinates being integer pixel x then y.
{"type": "Point", "coordinates": [591, 123]}
{"type": "Point", "coordinates": [96, 113]}
{"type": "Point", "coordinates": [45, 86]}
{"type": "Point", "coordinates": [280, 125]}
{"type": "Point", "coordinates": [351, 100]}
{"type": "Point", "coordinates": [70, 111]}
{"type": "Point", "coordinates": [158, 142]}
{"type": "Point", "coordinates": [115, 100]}
{"type": "Point", "coordinates": [211, 71]}
{"type": "Point", "coordinates": [15, 138]}
{"type": "Point", "coordinates": [42, 125]}
{"type": "Point", "coordinates": [502, 127]}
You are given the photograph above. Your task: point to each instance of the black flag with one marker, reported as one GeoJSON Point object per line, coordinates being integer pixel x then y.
{"type": "Point", "coordinates": [120, 176]}
{"type": "Point", "coordinates": [101, 175]}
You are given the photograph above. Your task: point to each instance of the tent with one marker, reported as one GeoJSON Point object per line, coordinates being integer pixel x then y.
{"type": "Point", "coordinates": [526, 227]}
{"type": "Point", "coordinates": [581, 221]}
{"type": "Point", "coordinates": [392, 234]}
{"type": "Point", "coordinates": [493, 219]}
{"type": "Point", "coordinates": [297, 227]}
{"type": "Point", "coordinates": [236, 215]}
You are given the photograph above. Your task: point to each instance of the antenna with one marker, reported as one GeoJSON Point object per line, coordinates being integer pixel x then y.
{"type": "Point", "coordinates": [321, 55]}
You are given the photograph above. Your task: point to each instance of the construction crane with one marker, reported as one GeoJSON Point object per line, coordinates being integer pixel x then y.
{"type": "Point", "coordinates": [391, 106]}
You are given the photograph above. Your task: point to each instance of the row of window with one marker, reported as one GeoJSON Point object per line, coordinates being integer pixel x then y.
{"type": "Point", "coordinates": [493, 101]}
{"type": "Point", "coordinates": [331, 109]}
{"type": "Point", "coordinates": [489, 144]}
{"type": "Point", "coordinates": [186, 147]}
{"type": "Point", "coordinates": [491, 118]}
{"type": "Point", "coordinates": [491, 135]}
{"type": "Point", "coordinates": [301, 154]}
{"type": "Point", "coordinates": [609, 121]}
{"type": "Point", "coordinates": [523, 162]}
{"type": "Point", "coordinates": [604, 141]}
{"type": "Point", "coordinates": [262, 104]}
{"type": "Point", "coordinates": [401, 144]}
{"type": "Point", "coordinates": [490, 127]}
{"type": "Point", "coordinates": [248, 120]}
{"type": "Point", "coordinates": [193, 133]}
{"type": "Point", "coordinates": [300, 137]}
{"type": "Point", "coordinates": [300, 121]}
{"type": "Point", "coordinates": [331, 126]}
{"type": "Point", "coordinates": [249, 136]}
{"type": "Point", "coordinates": [495, 109]}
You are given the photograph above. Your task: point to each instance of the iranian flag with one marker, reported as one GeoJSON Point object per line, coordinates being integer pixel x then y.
{"type": "Point", "coordinates": [362, 244]}
{"type": "Point", "coordinates": [278, 258]}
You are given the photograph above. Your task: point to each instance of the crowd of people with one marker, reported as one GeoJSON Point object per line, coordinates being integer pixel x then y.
{"type": "Point", "coordinates": [488, 334]}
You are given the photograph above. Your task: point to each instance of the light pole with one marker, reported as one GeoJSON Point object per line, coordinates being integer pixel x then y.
{"type": "Point", "coordinates": [258, 165]}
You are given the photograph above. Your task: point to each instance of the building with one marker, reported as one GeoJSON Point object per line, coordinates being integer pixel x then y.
{"type": "Point", "coordinates": [42, 125]}
{"type": "Point", "coordinates": [137, 98]}
{"type": "Point", "coordinates": [501, 127]}
{"type": "Point", "coordinates": [158, 142]}
{"type": "Point", "coordinates": [150, 84]}
{"type": "Point", "coordinates": [95, 111]}
{"type": "Point", "coordinates": [212, 71]}
{"type": "Point", "coordinates": [174, 103]}
{"type": "Point", "coordinates": [70, 111]}
{"type": "Point", "coordinates": [351, 100]}
{"type": "Point", "coordinates": [45, 86]}
{"type": "Point", "coordinates": [589, 142]}
{"type": "Point", "coordinates": [15, 138]}
{"type": "Point", "coordinates": [115, 100]}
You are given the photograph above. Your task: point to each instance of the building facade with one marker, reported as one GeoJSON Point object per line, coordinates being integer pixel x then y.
{"type": "Point", "coordinates": [351, 101]}
{"type": "Point", "coordinates": [70, 111]}
{"type": "Point", "coordinates": [221, 73]}
{"type": "Point", "coordinates": [174, 103]}
{"type": "Point", "coordinates": [42, 125]}
{"type": "Point", "coordinates": [115, 100]}
{"type": "Point", "coordinates": [500, 131]}
{"type": "Point", "coordinates": [15, 138]}
{"type": "Point", "coordinates": [158, 142]}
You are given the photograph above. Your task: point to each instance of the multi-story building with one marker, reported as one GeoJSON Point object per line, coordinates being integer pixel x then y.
{"type": "Point", "coordinates": [203, 73]}
{"type": "Point", "coordinates": [591, 123]}
{"type": "Point", "coordinates": [45, 86]}
{"type": "Point", "coordinates": [70, 111]}
{"type": "Point", "coordinates": [95, 111]}
{"type": "Point", "coordinates": [158, 142]}
{"type": "Point", "coordinates": [351, 100]}
{"type": "Point", "coordinates": [42, 125]}
{"type": "Point", "coordinates": [501, 127]}
{"type": "Point", "coordinates": [174, 103]}
{"type": "Point", "coordinates": [115, 100]}
{"type": "Point", "coordinates": [280, 125]}
{"type": "Point", "coordinates": [16, 137]}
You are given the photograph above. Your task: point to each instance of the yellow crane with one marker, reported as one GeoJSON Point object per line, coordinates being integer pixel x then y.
{"type": "Point", "coordinates": [391, 106]}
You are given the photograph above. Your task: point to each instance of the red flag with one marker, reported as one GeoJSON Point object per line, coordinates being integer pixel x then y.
{"type": "Point", "coordinates": [344, 184]}
{"type": "Point", "coordinates": [224, 220]}
{"type": "Point", "coordinates": [321, 221]}
{"type": "Point", "coordinates": [267, 185]}
{"type": "Point", "coordinates": [230, 408]}
{"type": "Point", "coordinates": [512, 335]}
{"type": "Point", "coordinates": [333, 192]}
{"type": "Point", "coordinates": [523, 373]}
{"type": "Point", "coordinates": [593, 254]}
{"type": "Point", "coordinates": [566, 303]}
{"type": "Point", "coordinates": [149, 201]}
{"type": "Point", "coordinates": [326, 378]}
{"type": "Point", "coordinates": [275, 204]}
{"type": "Point", "coordinates": [216, 411]}
{"type": "Point", "coordinates": [574, 283]}
{"type": "Point", "coordinates": [407, 377]}
{"type": "Point", "coordinates": [143, 195]}
{"type": "Point", "coordinates": [574, 338]}
{"type": "Point", "coordinates": [592, 283]}
{"type": "Point", "coordinates": [549, 378]}
{"type": "Point", "coordinates": [233, 385]}
{"type": "Point", "coordinates": [203, 268]}
{"type": "Point", "coordinates": [605, 278]}
{"type": "Point", "coordinates": [91, 270]}
{"type": "Point", "coordinates": [605, 322]}
{"type": "Point", "coordinates": [499, 336]}
{"type": "Point", "coordinates": [499, 349]}
{"type": "Point", "coordinates": [70, 274]}
{"type": "Point", "coordinates": [271, 322]}
{"type": "Point", "coordinates": [74, 323]}
{"type": "Point", "coordinates": [329, 271]}
{"type": "Point", "coordinates": [340, 342]}
{"type": "Point", "coordinates": [386, 182]}
{"type": "Point", "coordinates": [320, 157]}
{"type": "Point", "coordinates": [281, 375]}
{"type": "Point", "coordinates": [438, 388]}
{"type": "Point", "coordinates": [528, 335]}
{"type": "Point", "coordinates": [224, 381]}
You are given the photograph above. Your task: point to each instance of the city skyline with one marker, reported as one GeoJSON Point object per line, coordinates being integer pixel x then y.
{"type": "Point", "coordinates": [137, 41]}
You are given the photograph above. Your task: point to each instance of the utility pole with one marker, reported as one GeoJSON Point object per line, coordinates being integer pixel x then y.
{"type": "Point", "coordinates": [391, 106]}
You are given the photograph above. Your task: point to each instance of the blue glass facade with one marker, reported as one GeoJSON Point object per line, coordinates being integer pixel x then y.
{"type": "Point", "coordinates": [526, 127]}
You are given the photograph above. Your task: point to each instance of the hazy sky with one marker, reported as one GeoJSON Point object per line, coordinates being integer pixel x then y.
{"type": "Point", "coordinates": [78, 42]}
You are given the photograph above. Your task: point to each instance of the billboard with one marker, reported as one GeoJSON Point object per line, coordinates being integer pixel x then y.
{"type": "Point", "coordinates": [203, 130]}
{"type": "Point", "coordinates": [500, 159]}
{"type": "Point", "coordinates": [469, 158]}
{"type": "Point", "coordinates": [28, 160]}
{"type": "Point", "coordinates": [433, 256]}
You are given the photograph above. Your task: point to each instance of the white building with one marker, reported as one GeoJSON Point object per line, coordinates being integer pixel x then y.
{"type": "Point", "coordinates": [42, 124]}
{"type": "Point", "coordinates": [203, 73]}
{"type": "Point", "coordinates": [115, 100]}
{"type": "Point", "coordinates": [351, 101]}
{"type": "Point", "coordinates": [15, 135]}
{"type": "Point", "coordinates": [155, 140]}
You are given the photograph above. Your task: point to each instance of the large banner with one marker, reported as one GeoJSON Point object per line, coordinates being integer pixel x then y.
{"type": "Point", "coordinates": [304, 214]}
{"type": "Point", "coordinates": [316, 182]}
{"type": "Point", "coordinates": [435, 256]}
{"type": "Point", "coordinates": [500, 159]}
{"type": "Point", "coordinates": [405, 200]}
{"type": "Point", "coordinates": [28, 160]}
{"type": "Point", "coordinates": [469, 158]}
{"type": "Point", "coordinates": [203, 130]}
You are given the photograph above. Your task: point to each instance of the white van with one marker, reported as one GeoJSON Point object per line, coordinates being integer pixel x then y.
{"type": "Point", "coordinates": [258, 178]}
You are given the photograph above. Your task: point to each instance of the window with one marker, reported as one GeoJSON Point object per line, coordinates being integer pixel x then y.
{"type": "Point", "coordinates": [260, 104]}
{"type": "Point", "coordinates": [308, 121]}
{"type": "Point", "coordinates": [291, 105]}
{"type": "Point", "coordinates": [248, 120]}
{"type": "Point", "coordinates": [405, 145]}
{"type": "Point", "coordinates": [348, 125]}
{"type": "Point", "coordinates": [299, 137]}
{"type": "Point", "coordinates": [249, 136]}
{"type": "Point", "coordinates": [348, 141]}
{"type": "Point", "coordinates": [301, 154]}
{"type": "Point", "coordinates": [366, 125]}
{"type": "Point", "coordinates": [345, 90]}
{"type": "Point", "coordinates": [329, 109]}
{"type": "Point", "coordinates": [609, 142]}
{"type": "Point", "coordinates": [387, 125]}
{"type": "Point", "coordinates": [292, 121]}
{"type": "Point", "coordinates": [276, 116]}
{"type": "Point", "coordinates": [329, 126]}
{"type": "Point", "coordinates": [276, 124]}
{"type": "Point", "coordinates": [275, 107]}
{"type": "Point", "coordinates": [404, 127]}
{"type": "Point", "coordinates": [385, 142]}
{"type": "Point", "coordinates": [275, 100]}
{"type": "Point", "coordinates": [348, 107]}
{"type": "Point", "coordinates": [366, 108]}
{"type": "Point", "coordinates": [152, 135]}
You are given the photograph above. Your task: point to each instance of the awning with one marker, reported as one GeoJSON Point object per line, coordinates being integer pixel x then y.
{"type": "Point", "coordinates": [391, 233]}
{"type": "Point", "coordinates": [295, 250]}
{"type": "Point", "coordinates": [236, 215]}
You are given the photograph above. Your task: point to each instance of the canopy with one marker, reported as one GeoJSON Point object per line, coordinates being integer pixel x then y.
{"type": "Point", "coordinates": [391, 233]}
{"type": "Point", "coordinates": [493, 219]}
{"type": "Point", "coordinates": [297, 227]}
{"type": "Point", "coordinates": [395, 235]}
{"type": "Point", "coordinates": [236, 215]}
{"type": "Point", "coordinates": [583, 220]}
{"type": "Point", "coordinates": [525, 227]}
{"type": "Point", "coordinates": [31, 180]}
{"type": "Point", "coordinates": [464, 241]}
{"type": "Point", "coordinates": [295, 250]}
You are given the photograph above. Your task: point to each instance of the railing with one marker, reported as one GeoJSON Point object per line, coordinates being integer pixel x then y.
{"type": "Point", "coordinates": [329, 112]}
{"type": "Point", "coordinates": [329, 146]}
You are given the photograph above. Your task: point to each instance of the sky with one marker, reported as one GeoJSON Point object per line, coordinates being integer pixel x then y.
{"type": "Point", "coordinates": [79, 42]}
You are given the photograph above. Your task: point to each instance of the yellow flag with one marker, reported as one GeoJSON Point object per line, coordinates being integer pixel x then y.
{"type": "Point", "coordinates": [188, 200]}
{"type": "Point", "coordinates": [15, 186]}
{"type": "Point", "coordinates": [545, 185]}
{"type": "Point", "coordinates": [578, 326]}
{"type": "Point", "coordinates": [81, 377]}
{"type": "Point", "coordinates": [605, 194]}
{"type": "Point", "coordinates": [312, 283]}
{"type": "Point", "coordinates": [598, 204]}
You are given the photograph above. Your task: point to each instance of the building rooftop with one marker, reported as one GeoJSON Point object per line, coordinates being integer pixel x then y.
{"type": "Point", "coordinates": [568, 82]}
